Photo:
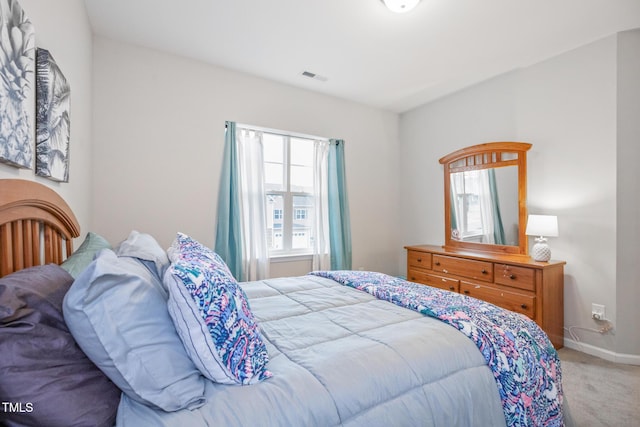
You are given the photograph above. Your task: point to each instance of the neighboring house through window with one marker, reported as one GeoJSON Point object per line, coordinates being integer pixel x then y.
{"type": "Point", "coordinates": [289, 171]}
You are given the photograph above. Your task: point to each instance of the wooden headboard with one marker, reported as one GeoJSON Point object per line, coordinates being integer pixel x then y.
{"type": "Point", "coordinates": [36, 226]}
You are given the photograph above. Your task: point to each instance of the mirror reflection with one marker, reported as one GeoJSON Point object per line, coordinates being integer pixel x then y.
{"type": "Point", "coordinates": [484, 206]}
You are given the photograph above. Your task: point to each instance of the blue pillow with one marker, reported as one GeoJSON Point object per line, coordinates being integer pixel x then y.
{"type": "Point", "coordinates": [116, 310]}
{"type": "Point", "coordinates": [82, 257]}
{"type": "Point", "coordinates": [145, 248]}
{"type": "Point", "coordinates": [212, 315]}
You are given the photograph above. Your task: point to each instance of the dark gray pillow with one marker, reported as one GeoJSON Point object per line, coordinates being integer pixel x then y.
{"type": "Point", "coordinates": [45, 376]}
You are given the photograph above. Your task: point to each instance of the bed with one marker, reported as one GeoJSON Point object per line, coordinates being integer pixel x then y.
{"type": "Point", "coordinates": [139, 335]}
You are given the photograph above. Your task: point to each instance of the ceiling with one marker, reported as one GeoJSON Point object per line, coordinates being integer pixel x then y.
{"type": "Point", "coordinates": [360, 50]}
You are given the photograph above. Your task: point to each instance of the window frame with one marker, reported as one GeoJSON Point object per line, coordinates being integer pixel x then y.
{"type": "Point", "coordinates": [288, 209]}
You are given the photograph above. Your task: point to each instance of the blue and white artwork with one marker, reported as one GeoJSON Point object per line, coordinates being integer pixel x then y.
{"type": "Point", "coordinates": [52, 119]}
{"type": "Point", "coordinates": [17, 55]}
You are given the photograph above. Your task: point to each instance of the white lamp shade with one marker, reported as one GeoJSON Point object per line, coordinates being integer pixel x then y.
{"type": "Point", "coordinates": [401, 6]}
{"type": "Point", "coordinates": [542, 225]}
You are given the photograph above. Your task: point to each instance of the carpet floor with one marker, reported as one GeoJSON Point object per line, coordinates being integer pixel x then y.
{"type": "Point", "coordinates": [600, 393]}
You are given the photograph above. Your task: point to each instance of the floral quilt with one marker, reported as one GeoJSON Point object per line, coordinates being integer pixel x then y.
{"type": "Point", "coordinates": [524, 363]}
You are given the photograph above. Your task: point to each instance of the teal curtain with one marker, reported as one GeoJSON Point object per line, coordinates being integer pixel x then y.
{"type": "Point", "coordinates": [498, 228]}
{"type": "Point", "coordinates": [453, 210]}
{"type": "Point", "coordinates": [338, 206]}
{"type": "Point", "coordinates": [228, 228]}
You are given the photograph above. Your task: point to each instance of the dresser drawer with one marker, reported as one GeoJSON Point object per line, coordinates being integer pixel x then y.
{"type": "Point", "coordinates": [417, 276]}
{"type": "Point", "coordinates": [516, 277]}
{"type": "Point", "coordinates": [441, 282]}
{"type": "Point", "coordinates": [419, 259]}
{"type": "Point", "coordinates": [478, 270]}
{"type": "Point", "coordinates": [436, 281]}
{"type": "Point", "coordinates": [514, 301]}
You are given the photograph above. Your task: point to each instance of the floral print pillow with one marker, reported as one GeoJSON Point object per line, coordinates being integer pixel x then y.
{"type": "Point", "coordinates": [212, 315]}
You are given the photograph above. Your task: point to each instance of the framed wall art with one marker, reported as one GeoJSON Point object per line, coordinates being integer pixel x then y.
{"type": "Point", "coordinates": [17, 54]}
{"type": "Point", "coordinates": [52, 119]}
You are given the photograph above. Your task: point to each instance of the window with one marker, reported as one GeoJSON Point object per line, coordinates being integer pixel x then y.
{"type": "Point", "coordinates": [467, 203]}
{"type": "Point", "coordinates": [288, 166]}
{"type": "Point", "coordinates": [265, 171]}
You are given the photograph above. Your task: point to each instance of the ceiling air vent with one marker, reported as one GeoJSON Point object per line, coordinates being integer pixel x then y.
{"type": "Point", "coordinates": [314, 76]}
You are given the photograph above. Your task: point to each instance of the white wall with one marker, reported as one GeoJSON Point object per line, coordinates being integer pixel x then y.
{"type": "Point", "coordinates": [628, 195]}
{"type": "Point", "coordinates": [567, 108]}
{"type": "Point", "coordinates": [159, 132]}
{"type": "Point", "coordinates": [63, 29]}
{"type": "Point", "coordinates": [483, 113]}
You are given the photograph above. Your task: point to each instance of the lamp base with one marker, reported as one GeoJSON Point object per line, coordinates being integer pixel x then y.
{"type": "Point", "coordinates": [541, 251]}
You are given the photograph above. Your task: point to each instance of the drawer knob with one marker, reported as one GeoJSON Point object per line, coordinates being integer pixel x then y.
{"type": "Point", "coordinates": [484, 271]}
{"type": "Point", "coordinates": [413, 278]}
{"type": "Point", "coordinates": [523, 306]}
{"type": "Point", "coordinates": [466, 291]}
{"type": "Point", "coordinates": [437, 262]}
{"type": "Point", "coordinates": [512, 276]}
{"type": "Point", "coordinates": [451, 288]}
{"type": "Point", "coordinates": [419, 260]}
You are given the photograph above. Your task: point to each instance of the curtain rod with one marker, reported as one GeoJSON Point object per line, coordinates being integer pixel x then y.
{"type": "Point", "coordinates": [281, 132]}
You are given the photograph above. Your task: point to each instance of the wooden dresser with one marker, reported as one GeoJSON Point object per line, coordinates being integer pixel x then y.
{"type": "Point", "coordinates": [514, 282]}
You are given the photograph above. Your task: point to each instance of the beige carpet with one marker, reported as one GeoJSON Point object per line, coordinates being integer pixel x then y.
{"type": "Point", "coordinates": [599, 392]}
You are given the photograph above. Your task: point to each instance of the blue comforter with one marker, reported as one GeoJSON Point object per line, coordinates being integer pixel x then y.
{"type": "Point", "coordinates": [523, 361]}
{"type": "Point", "coordinates": [342, 357]}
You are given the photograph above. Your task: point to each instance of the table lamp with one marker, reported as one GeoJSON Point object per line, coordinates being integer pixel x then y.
{"type": "Point", "coordinates": [542, 226]}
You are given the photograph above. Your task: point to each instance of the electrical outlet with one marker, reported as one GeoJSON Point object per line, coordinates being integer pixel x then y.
{"type": "Point", "coordinates": [597, 312]}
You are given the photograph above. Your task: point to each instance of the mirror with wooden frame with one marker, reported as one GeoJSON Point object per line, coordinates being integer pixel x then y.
{"type": "Point", "coordinates": [485, 198]}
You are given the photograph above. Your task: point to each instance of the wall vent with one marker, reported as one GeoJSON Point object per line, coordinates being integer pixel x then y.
{"type": "Point", "coordinates": [314, 76]}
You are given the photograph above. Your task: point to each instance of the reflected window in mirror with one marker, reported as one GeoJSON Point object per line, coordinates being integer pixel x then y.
{"type": "Point", "coordinates": [485, 197]}
{"type": "Point", "coordinates": [484, 206]}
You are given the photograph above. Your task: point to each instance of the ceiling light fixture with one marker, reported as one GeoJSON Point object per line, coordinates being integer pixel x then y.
{"type": "Point", "coordinates": [400, 6]}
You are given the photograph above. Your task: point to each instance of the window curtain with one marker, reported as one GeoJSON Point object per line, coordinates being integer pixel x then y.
{"type": "Point", "coordinates": [492, 228]}
{"type": "Point", "coordinates": [321, 259]}
{"type": "Point", "coordinates": [255, 252]}
{"type": "Point", "coordinates": [454, 188]}
{"type": "Point", "coordinates": [240, 233]}
{"type": "Point", "coordinates": [338, 207]}
{"type": "Point", "coordinates": [486, 209]}
{"type": "Point", "coordinates": [498, 227]}
{"type": "Point", "coordinates": [228, 225]}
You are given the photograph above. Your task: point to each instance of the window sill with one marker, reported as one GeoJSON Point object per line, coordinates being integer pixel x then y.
{"type": "Point", "coordinates": [290, 257]}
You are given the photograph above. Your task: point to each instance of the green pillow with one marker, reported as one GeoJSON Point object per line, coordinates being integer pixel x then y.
{"type": "Point", "coordinates": [82, 257]}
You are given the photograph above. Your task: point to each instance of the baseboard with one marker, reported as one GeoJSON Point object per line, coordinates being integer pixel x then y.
{"type": "Point", "coordinates": [627, 359]}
